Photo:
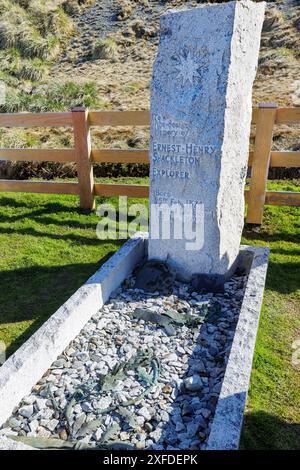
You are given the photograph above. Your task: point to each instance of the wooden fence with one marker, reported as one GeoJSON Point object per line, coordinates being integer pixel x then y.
{"type": "Point", "coordinates": [265, 117]}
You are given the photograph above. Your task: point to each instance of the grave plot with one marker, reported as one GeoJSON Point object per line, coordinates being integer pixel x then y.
{"type": "Point", "coordinates": [145, 372]}
{"type": "Point", "coordinates": [168, 366]}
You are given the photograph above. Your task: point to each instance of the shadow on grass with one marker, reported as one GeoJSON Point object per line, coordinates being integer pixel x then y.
{"type": "Point", "coordinates": [282, 236]}
{"type": "Point", "coordinates": [43, 215]}
{"type": "Point", "coordinates": [46, 208]}
{"type": "Point", "coordinates": [35, 214]}
{"type": "Point", "coordinates": [35, 293]}
{"type": "Point", "coordinates": [75, 238]}
{"type": "Point", "coordinates": [264, 431]}
{"type": "Point", "coordinates": [283, 277]}
{"type": "Point", "coordinates": [284, 268]}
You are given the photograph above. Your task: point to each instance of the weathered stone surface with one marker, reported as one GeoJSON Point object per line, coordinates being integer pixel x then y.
{"type": "Point", "coordinates": [200, 123]}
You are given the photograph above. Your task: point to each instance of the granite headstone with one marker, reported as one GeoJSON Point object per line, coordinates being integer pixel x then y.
{"type": "Point", "coordinates": [201, 107]}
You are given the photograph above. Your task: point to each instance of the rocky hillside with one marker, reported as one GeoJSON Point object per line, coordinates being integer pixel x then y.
{"type": "Point", "coordinates": [106, 63]}
{"type": "Point", "coordinates": [122, 36]}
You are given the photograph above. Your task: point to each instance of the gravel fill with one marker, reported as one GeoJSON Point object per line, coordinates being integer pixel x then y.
{"type": "Point", "coordinates": [173, 396]}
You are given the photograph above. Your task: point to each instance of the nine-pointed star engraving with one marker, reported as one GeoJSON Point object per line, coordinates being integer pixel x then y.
{"type": "Point", "coordinates": [187, 69]}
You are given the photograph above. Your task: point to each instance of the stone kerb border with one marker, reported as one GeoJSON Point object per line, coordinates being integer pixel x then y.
{"type": "Point", "coordinates": [27, 365]}
{"type": "Point", "coordinates": [228, 420]}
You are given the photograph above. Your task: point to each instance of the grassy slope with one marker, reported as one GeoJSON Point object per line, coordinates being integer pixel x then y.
{"type": "Point", "coordinates": [49, 248]}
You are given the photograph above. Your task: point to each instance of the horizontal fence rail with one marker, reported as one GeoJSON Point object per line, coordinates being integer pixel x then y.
{"type": "Point", "coordinates": [265, 117]}
{"type": "Point", "coordinates": [119, 118]}
{"type": "Point", "coordinates": [38, 155]}
{"type": "Point", "coordinates": [36, 120]}
{"type": "Point", "coordinates": [47, 187]}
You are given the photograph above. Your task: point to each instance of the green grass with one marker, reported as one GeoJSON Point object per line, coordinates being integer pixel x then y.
{"type": "Point", "coordinates": [49, 248]}
{"type": "Point", "coordinates": [273, 409]}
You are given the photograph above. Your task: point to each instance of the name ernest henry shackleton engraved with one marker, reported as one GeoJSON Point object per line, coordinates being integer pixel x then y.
{"type": "Point", "coordinates": [200, 125]}
{"type": "Point", "coordinates": [177, 154]}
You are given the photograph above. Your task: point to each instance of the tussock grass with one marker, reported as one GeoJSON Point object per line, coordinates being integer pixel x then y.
{"type": "Point", "coordinates": [15, 139]}
{"type": "Point", "coordinates": [15, 101]}
{"type": "Point", "coordinates": [23, 3]}
{"type": "Point", "coordinates": [8, 36]}
{"type": "Point", "coordinates": [71, 7]}
{"type": "Point", "coordinates": [24, 69]}
{"type": "Point", "coordinates": [273, 19]}
{"type": "Point", "coordinates": [105, 49]}
{"type": "Point", "coordinates": [53, 97]}
{"type": "Point", "coordinates": [131, 88]}
{"type": "Point", "coordinates": [274, 58]}
{"type": "Point", "coordinates": [27, 40]}
{"type": "Point", "coordinates": [34, 46]}
{"type": "Point", "coordinates": [74, 7]}
{"type": "Point", "coordinates": [50, 21]}
{"type": "Point", "coordinates": [33, 70]}
{"type": "Point", "coordinates": [125, 10]}
{"type": "Point", "coordinates": [10, 60]}
{"type": "Point", "coordinates": [37, 30]}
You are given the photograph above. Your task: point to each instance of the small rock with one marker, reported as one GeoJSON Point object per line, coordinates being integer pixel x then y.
{"type": "Point", "coordinates": [193, 383]}
{"type": "Point", "coordinates": [102, 323]}
{"type": "Point", "coordinates": [87, 407]}
{"type": "Point", "coordinates": [148, 427]}
{"type": "Point", "coordinates": [7, 432]}
{"type": "Point", "coordinates": [167, 389]}
{"type": "Point", "coordinates": [192, 429]}
{"type": "Point", "coordinates": [119, 340]}
{"type": "Point", "coordinates": [205, 412]}
{"type": "Point", "coordinates": [213, 351]}
{"type": "Point", "coordinates": [180, 427]}
{"type": "Point", "coordinates": [77, 409]}
{"type": "Point", "coordinates": [26, 411]}
{"type": "Point", "coordinates": [124, 436]}
{"type": "Point", "coordinates": [60, 363]}
{"type": "Point", "coordinates": [14, 423]}
{"type": "Point", "coordinates": [52, 424]}
{"type": "Point", "coordinates": [82, 356]}
{"type": "Point", "coordinates": [40, 403]}
{"type": "Point", "coordinates": [46, 414]}
{"type": "Point", "coordinates": [70, 351]}
{"type": "Point", "coordinates": [164, 416]}
{"type": "Point", "coordinates": [34, 424]}
{"type": "Point", "coordinates": [156, 435]}
{"type": "Point", "coordinates": [140, 420]}
{"type": "Point", "coordinates": [78, 423]}
{"type": "Point", "coordinates": [198, 367]}
{"type": "Point", "coordinates": [42, 432]}
{"type": "Point", "coordinates": [217, 388]}
{"type": "Point", "coordinates": [63, 434]}
{"type": "Point", "coordinates": [96, 358]}
{"type": "Point", "coordinates": [28, 400]}
{"type": "Point", "coordinates": [102, 403]}
{"type": "Point", "coordinates": [140, 445]}
{"type": "Point", "coordinates": [98, 434]}
{"type": "Point", "coordinates": [144, 413]}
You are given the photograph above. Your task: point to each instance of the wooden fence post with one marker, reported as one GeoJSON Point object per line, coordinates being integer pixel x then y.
{"type": "Point", "coordinates": [82, 141]}
{"type": "Point", "coordinates": [261, 161]}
